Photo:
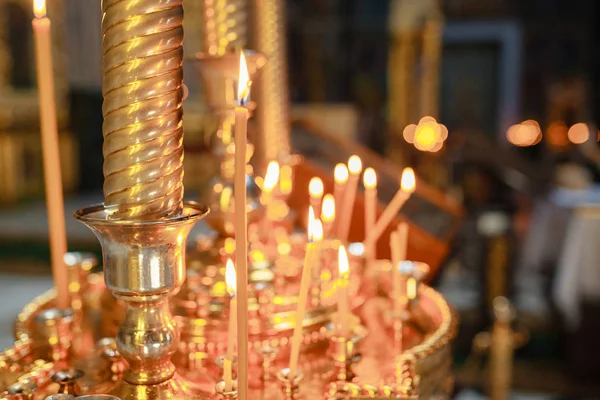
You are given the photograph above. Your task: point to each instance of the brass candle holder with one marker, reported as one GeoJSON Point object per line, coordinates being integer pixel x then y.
{"type": "Point", "coordinates": [144, 266]}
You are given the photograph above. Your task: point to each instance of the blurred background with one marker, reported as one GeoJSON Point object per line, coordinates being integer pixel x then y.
{"type": "Point", "coordinates": [515, 83]}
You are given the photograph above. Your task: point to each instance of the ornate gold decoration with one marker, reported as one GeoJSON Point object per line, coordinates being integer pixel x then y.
{"type": "Point", "coordinates": [143, 93]}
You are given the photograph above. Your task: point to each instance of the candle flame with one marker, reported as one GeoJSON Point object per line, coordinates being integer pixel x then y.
{"type": "Point", "coordinates": [340, 173]}
{"type": "Point", "coordinates": [230, 278]}
{"type": "Point", "coordinates": [243, 90]}
{"type": "Point", "coordinates": [408, 181]}
{"type": "Point", "coordinates": [315, 187]}
{"type": "Point", "coordinates": [311, 224]}
{"type": "Point", "coordinates": [271, 177]}
{"type": "Point", "coordinates": [39, 8]}
{"type": "Point", "coordinates": [370, 178]}
{"type": "Point", "coordinates": [354, 165]}
{"type": "Point", "coordinates": [318, 230]}
{"type": "Point", "coordinates": [343, 265]}
{"type": "Point", "coordinates": [328, 208]}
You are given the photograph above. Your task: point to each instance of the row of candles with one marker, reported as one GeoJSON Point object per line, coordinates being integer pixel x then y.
{"type": "Point", "coordinates": [343, 199]}
{"type": "Point", "coordinates": [346, 184]}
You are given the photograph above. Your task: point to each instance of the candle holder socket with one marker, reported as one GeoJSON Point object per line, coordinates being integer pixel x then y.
{"type": "Point", "coordinates": [226, 395]}
{"type": "Point", "coordinates": [289, 385]}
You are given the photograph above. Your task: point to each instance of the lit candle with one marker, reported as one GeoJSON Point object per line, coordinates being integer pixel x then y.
{"type": "Point", "coordinates": [354, 168]}
{"type": "Point", "coordinates": [343, 310]}
{"type": "Point", "coordinates": [230, 277]}
{"type": "Point", "coordinates": [309, 259]}
{"type": "Point", "coordinates": [241, 226]}
{"type": "Point", "coordinates": [228, 375]}
{"type": "Point", "coordinates": [370, 183]}
{"type": "Point", "coordinates": [50, 150]}
{"type": "Point", "coordinates": [269, 184]}
{"type": "Point", "coordinates": [407, 187]}
{"type": "Point", "coordinates": [285, 181]}
{"type": "Point", "coordinates": [328, 214]}
{"type": "Point", "coordinates": [340, 176]}
{"type": "Point", "coordinates": [315, 190]}
{"type": "Point", "coordinates": [398, 242]}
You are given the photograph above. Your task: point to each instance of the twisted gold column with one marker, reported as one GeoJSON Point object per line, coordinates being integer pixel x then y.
{"type": "Point", "coordinates": [273, 111]}
{"type": "Point", "coordinates": [143, 93]}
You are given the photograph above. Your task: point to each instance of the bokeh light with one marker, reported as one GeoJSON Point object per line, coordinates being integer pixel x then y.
{"type": "Point", "coordinates": [579, 133]}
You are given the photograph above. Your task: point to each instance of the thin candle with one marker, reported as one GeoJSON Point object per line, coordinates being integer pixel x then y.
{"type": "Point", "coordinates": [315, 190]}
{"type": "Point", "coordinates": [228, 375]}
{"type": "Point", "coordinates": [241, 226]}
{"type": "Point", "coordinates": [340, 176]}
{"type": "Point", "coordinates": [269, 184]}
{"type": "Point", "coordinates": [230, 277]}
{"type": "Point", "coordinates": [354, 169]}
{"type": "Point", "coordinates": [407, 187]}
{"type": "Point", "coordinates": [309, 259]}
{"type": "Point", "coordinates": [50, 151]}
{"type": "Point", "coordinates": [343, 309]}
{"type": "Point", "coordinates": [328, 214]}
{"type": "Point", "coordinates": [370, 183]}
{"type": "Point", "coordinates": [398, 243]}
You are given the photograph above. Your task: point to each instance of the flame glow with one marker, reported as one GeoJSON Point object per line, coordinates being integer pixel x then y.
{"type": "Point", "coordinates": [318, 230]}
{"type": "Point", "coordinates": [315, 187]}
{"type": "Point", "coordinates": [354, 165]}
{"type": "Point", "coordinates": [39, 8]}
{"type": "Point", "coordinates": [343, 265]}
{"type": "Point", "coordinates": [230, 278]}
{"type": "Point", "coordinates": [340, 173]}
{"type": "Point", "coordinates": [408, 181]}
{"type": "Point", "coordinates": [271, 177]}
{"type": "Point", "coordinates": [311, 224]}
{"type": "Point", "coordinates": [243, 90]}
{"type": "Point", "coordinates": [328, 208]}
{"type": "Point", "coordinates": [370, 178]}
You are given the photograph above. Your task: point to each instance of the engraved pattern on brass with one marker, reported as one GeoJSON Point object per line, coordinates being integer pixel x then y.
{"type": "Point", "coordinates": [143, 93]}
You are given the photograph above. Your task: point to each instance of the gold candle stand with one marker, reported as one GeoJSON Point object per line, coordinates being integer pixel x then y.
{"type": "Point", "coordinates": [143, 93]}
{"type": "Point", "coordinates": [273, 112]}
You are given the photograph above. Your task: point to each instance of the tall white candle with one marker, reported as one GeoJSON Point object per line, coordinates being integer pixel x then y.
{"type": "Point", "coordinates": [42, 34]}
{"type": "Point", "coordinates": [370, 183]}
{"type": "Point", "coordinates": [343, 310]}
{"type": "Point", "coordinates": [328, 214]}
{"type": "Point", "coordinates": [241, 226]}
{"type": "Point", "coordinates": [407, 187]}
{"type": "Point", "coordinates": [354, 169]}
{"type": "Point", "coordinates": [340, 176]}
{"type": "Point", "coordinates": [309, 260]}
{"type": "Point", "coordinates": [230, 280]}
{"type": "Point", "coordinates": [398, 243]}
{"type": "Point", "coordinates": [315, 191]}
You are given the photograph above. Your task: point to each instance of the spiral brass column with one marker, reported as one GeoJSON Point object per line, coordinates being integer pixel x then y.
{"type": "Point", "coordinates": [142, 51]}
{"type": "Point", "coordinates": [273, 111]}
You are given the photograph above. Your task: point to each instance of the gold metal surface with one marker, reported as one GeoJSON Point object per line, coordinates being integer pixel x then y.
{"type": "Point", "coordinates": [272, 88]}
{"type": "Point", "coordinates": [144, 266]}
{"type": "Point", "coordinates": [143, 93]}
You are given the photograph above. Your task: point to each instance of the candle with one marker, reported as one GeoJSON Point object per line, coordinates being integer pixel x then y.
{"type": "Point", "coordinates": [407, 187]}
{"type": "Point", "coordinates": [328, 214]}
{"type": "Point", "coordinates": [241, 227]}
{"type": "Point", "coordinates": [309, 259]}
{"type": "Point", "coordinates": [315, 190]}
{"type": "Point", "coordinates": [285, 181]}
{"type": "Point", "coordinates": [269, 184]}
{"type": "Point", "coordinates": [354, 168]}
{"type": "Point", "coordinates": [370, 183]}
{"type": "Point", "coordinates": [398, 241]}
{"type": "Point", "coordinates": [230, 277]}
{"type": "Point", "coordinates": [343, 310]}
{"type": "Point", "coordinates": [340, 176]}
{"type": "Point", "coordinates": [228, 375]}
{"type": "Point", "coordinates": [50, 152]}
